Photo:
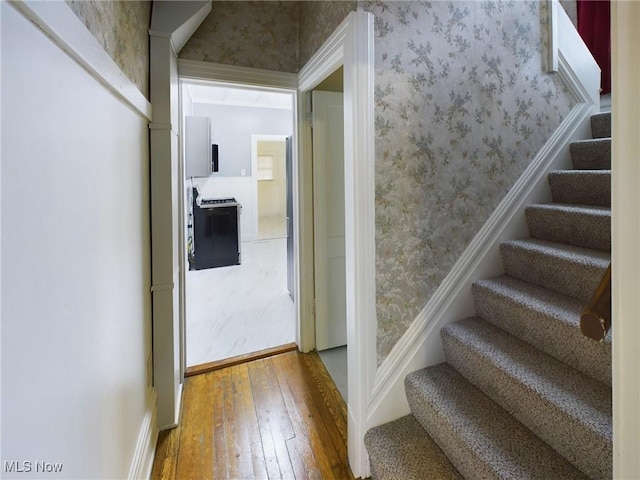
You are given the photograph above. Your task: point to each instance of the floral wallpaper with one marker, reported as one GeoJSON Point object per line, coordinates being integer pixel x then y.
{"type": "Point", "coordinates": [122, 28]}
{"type": "Point", "coordinates": [461, 107]}
{"type": "Point", "coordinates": [252, 34]}
{"type": "Point", "coordinates": [317, 21]}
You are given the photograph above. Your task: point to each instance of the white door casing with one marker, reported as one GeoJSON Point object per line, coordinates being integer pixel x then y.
{"type": "Point", "coordinates": [328, 215]}
{"type": "Point", "coordinates": [350, 45]}
{"type": "Point", "coordinates": [172, 24]}
{"type": "Point", "coordinates": [625, 254]}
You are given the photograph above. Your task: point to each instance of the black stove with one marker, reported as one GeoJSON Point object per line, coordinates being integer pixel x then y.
{"type": "Point", "coordinates": [216, 233]}
{"type": "Point", "coordinates": [217, 201]}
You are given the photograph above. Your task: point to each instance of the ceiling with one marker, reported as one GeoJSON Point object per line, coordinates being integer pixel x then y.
{"type": "Point", "coordinates": [246, 97]}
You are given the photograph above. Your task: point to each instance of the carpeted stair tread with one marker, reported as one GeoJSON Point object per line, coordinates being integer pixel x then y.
{"type": "Point", "coordinates": [570, 270]}
{"type": "Point", "coordinates": [402, 450]}
{"type": "Point", "coordinates": [592, 154]}
{"type": "Point", "coordinates": [579, 225]}
{"type": "Point", "coordinates": [479, 437]}
{"type": "Point", "coordinates": [568, 410]}
{"type": "Point", "coordinates": [601, 125]}
{"type": "Point", "coordinates": [581, 187]}
{"type": "Point", "coordinates": [546, 408]}
{"type": "Point", "coordinates": [545, 319]}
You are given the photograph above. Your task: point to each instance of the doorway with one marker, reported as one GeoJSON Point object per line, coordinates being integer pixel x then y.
{"type": "Point", "coordinates": [351, 44]}
{"type": "Point", "coordinates": [243, 308]}
{"type": "Point", "coordinates": [327, 107]}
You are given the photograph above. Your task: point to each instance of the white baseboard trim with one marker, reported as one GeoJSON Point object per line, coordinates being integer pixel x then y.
{"type": "Point", "coordinates": [420, 346]}
{"type": "Point", "coordinates": [178, 408]}
{"type": "Point", "coordinates": [145, 452]}
{"type": "Point", "coordinates": [358, 456]}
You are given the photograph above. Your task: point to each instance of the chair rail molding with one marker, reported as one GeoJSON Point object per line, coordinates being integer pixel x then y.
{"type": "Point", "coordinates": [60, 24]}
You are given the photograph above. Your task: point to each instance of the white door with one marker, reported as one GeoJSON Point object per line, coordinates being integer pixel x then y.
{"type": "Point", "coordinates": [328, 200]}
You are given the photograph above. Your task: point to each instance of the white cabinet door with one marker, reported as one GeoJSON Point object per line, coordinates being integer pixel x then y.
{"type": "Point", "coordinates": [197, 152]}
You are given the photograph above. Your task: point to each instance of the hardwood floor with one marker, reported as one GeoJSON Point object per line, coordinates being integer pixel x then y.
{"type": "Point", "coordinates": [279, 417]}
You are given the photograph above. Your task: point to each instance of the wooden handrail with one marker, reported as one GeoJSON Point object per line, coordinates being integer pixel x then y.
{"type": "Point", "coordinates": [595, 320]}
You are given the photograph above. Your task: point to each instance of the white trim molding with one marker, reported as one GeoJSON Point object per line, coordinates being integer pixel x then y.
{"type": "Point", "coordinates": [550, 35]}
{"type": "Point", "coordinates": [179, 20]}
{"type": "Point", "coordinates": [421, 346]}
{"type": "Point", "coordinates": [351, 45]}
{"type": "Point", "coordinates": [196, 70]}
{"type": "Point", "coordinates": [145, 452]}
{"type": "Point", "coordinates": [58, 22]}
{"type": "Point", "coordinates": [625, 253]}
{"type": "Point", "coordinates": [580, 72]}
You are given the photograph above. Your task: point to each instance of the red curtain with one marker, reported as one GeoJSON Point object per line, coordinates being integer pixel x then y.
{"type": "Point", "coordinates": [594, 20]}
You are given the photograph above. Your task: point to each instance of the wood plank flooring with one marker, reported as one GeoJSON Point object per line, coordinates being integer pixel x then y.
{"type": "Point", "coordinates": [279, 417]}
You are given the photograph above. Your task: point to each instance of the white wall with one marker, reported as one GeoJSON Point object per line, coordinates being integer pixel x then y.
{"type": "Point", "coordinates": [76, 331]}
{"type": "Point", "coordinates": [232, 127]}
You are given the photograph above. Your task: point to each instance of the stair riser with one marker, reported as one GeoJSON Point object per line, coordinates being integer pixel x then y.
{"type": "Point", "coordinates": [401, 450]}
{"type": "Point", "coordinates": [559, 274]}
{"type": "Point", "coordinates": [581, 189]}
{"type": "Point", "coordinates": [479, 437]}
{"type": "Point", "coordinates": [459, 452]}
{"type": "Point", "coordinates": [555, 335]}
{"type": "Point", "coordinates": [601, 125]}
{"type": "Point", "coordinates": [591, 155]}
{"type": "Point", "coordinates": [580, 445]}
{"type": "Point", "coordinates": [581, 230]}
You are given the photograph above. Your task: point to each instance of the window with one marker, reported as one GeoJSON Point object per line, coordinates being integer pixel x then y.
{"type": "Point", "coordinates": [265, 167]}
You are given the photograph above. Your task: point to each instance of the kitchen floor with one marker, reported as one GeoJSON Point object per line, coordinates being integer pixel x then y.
{"type": "Point", "coordinates": [242, 308]}
{"type": "Point", "coordinates": [271, 227]}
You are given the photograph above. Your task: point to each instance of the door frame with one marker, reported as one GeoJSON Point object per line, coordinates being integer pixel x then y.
{"type": "Point", "coordinates": [350, 46]}
{"type": "Point", "coordinates": [625, 254]}
{"type": "Point", "coordinates": [192, 71]}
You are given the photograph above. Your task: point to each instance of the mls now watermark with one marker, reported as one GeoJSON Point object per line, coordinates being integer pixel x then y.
{"type": "Point", "coordinates": [27, 466]}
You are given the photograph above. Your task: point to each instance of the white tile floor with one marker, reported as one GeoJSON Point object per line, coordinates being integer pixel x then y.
{"type": "Point", "coordinates": [242, 308]}
{"type": "Point", "coordinates": [246, 308]}
{"type": "Point", "coordinates": [271, 227]}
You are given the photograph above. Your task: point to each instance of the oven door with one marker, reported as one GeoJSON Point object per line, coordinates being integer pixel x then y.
{"type": "Point", "coordinates": [216, 236]}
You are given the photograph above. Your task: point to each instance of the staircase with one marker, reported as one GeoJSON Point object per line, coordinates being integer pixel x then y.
{"type": "Point", "coordinates": [523, 394]}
